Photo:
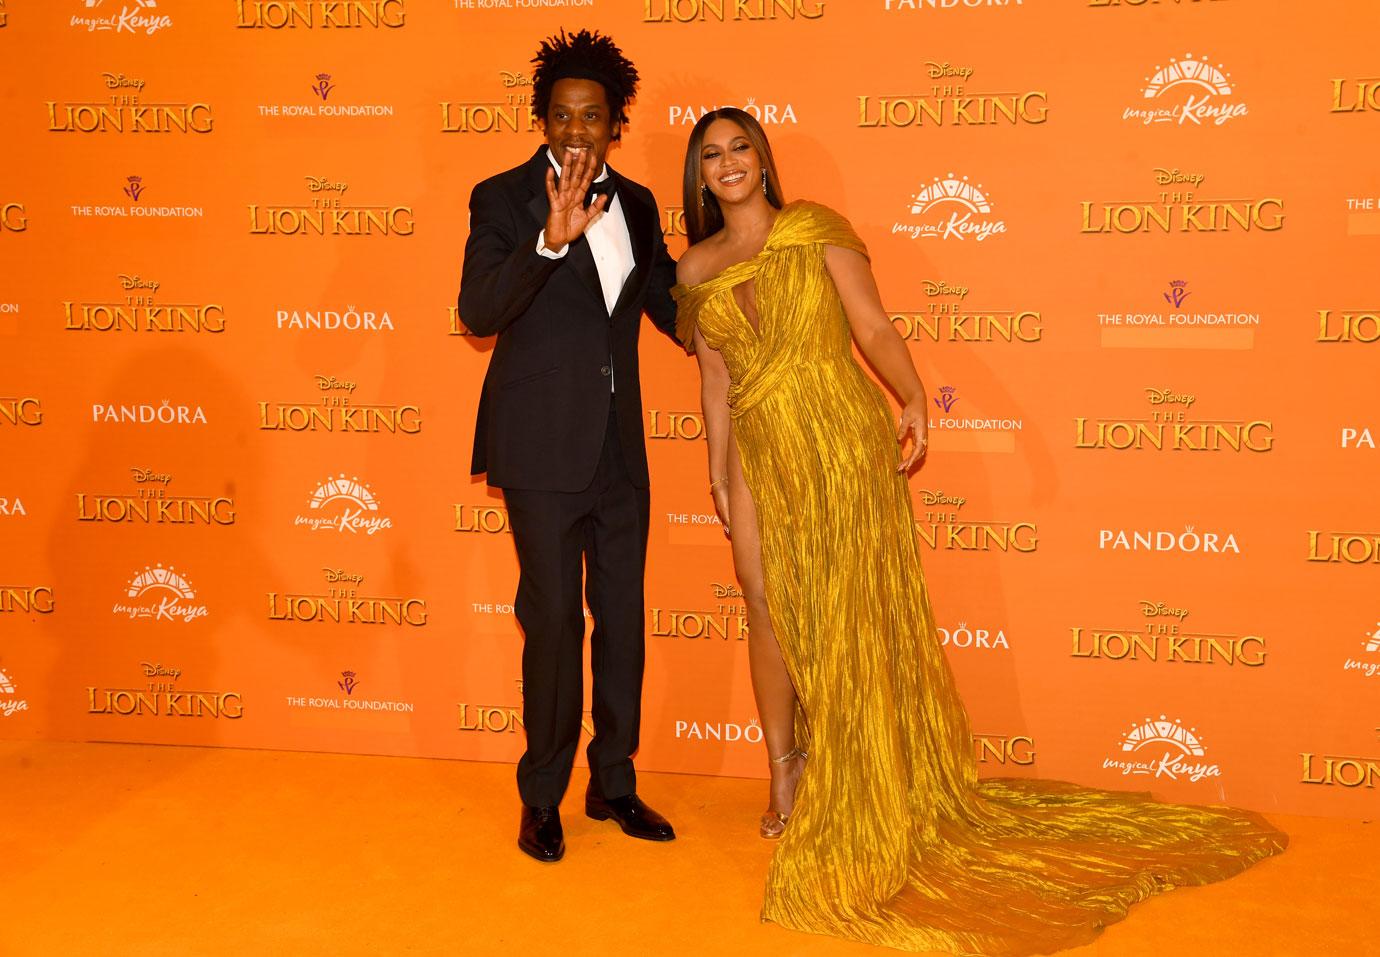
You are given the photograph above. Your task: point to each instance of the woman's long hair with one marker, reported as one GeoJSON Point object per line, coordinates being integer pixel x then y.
{"type": "Point", "coordinates": [703, 217]}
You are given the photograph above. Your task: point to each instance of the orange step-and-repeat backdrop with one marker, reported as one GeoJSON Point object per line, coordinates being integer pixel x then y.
{"type": "Point", "coordinates": [1131, 243]}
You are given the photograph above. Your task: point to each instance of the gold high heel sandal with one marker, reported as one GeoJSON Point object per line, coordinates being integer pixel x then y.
{"type": "Point", "coordinates": [773, 823]}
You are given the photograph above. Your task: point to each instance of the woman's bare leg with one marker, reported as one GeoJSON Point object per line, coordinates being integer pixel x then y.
{"type": "Point", "coordinates": [771, 684]}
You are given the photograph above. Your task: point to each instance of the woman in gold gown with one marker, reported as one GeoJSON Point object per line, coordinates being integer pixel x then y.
{"type": "Point", "coordinates": [892, 838]}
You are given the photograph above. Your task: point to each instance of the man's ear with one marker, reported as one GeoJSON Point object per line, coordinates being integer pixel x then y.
{"type": "Point", "coordinates": [616, 130]}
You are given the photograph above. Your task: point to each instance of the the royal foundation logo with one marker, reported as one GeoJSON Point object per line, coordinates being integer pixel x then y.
{"type": "Point", "coordinates": [941, 527]}
{"type": "Point", "coordinates": [729, 11]}
{"type": "Point", "coordinates": [13, 508]}
{"type": "Point", "coordinates": [951, 101]}
{"type": "Point", "coordinates": [1344, 548]}
{"type": "Point", "coordinates": [1188, 92]}
{"type": "Point", "coordinates": [151, 504]}
{"type": "Point", "coordinates": [158, 696]}
{"type": "Point", "coordinates": [349, 698]}
{"type": "Point", "coordinates": [122, 110]}
{"type": "Point", "coordinates": [483, 519]}
{"type": "Point", "coordinates": [1004, 749]}
{"type": "Point", "coordinates": [348, 319]}
{"type": "Point", "coordinates": [958, 424]}
{"type": "Point", "coordinates": [507, 110]}
{"type": "Point", "coordinates": [1160, 635]}
{"type": "Point", "coordinates": [320, 14]}
{"type": "Point", "coordinates": [26, 600]}
{"type": "Point", "coordinates": [4, 15]}
{"type": "Point", "coordinates": [1355, 95]}
{"type": "Point", "coordinates": [977, 638]}
{"type": "Point", "coordinates": [665, 424]}
{"type": "Point", "coordinates": [768, 114]}
{"type": "Point", "coordinates": [723, 621]}
{"type": "Point", "coordinates": [159, 594]}
{"type": "Point", "coordinates": [1179, 208]}
{"type": "Point", "coordinates": [346, 506]}
{"type": "Point", "coordinates": [1335, 770]}
{"type": "Point", "coordinates": [1367, 664]}
{"type": "Point", "coordinates": [1190, 541]}
{"type": "Point", "coordinates": [1360, 326]}
{"type": "Point", "coordinates": [20, 411]}
{"type": "Point", "coordinates": [142, 17]}
{"type": "Point", "coordinates": [327, 101]}
{"type": "Point", "coordinates": [134, 188]}
{"type": "Point", "coordinates": [10, 702]}
{"type": "Point", "coordinates": [343, 604]}
{"type": "Point", "coordinates": [1169, 426]}
{"type": "Point", "coordinates": [1163, 748]}
{"type": "Point", "coordinates": [326, 213]}
{"type": "Point", "coordinates": [947, 317]}
{"type": "Point", "coordinates": [338, 411]}
{"type": "Point", "coordinates": [1177, 318]}
{"type": "Point", "coordinates": [951, 209]}
{"type": "Point", "coordinates": [14, 218]}
{"type": "Point", "coordinates": [138, 308]}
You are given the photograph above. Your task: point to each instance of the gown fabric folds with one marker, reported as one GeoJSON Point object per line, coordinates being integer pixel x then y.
{"type": "Point", "coordinates": [893, 839]}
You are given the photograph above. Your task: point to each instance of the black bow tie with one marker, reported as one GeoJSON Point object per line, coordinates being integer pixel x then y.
{"type": "Point", "coordinates": [602, 188]}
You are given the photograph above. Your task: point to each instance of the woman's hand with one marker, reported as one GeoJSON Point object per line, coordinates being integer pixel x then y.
{"type": "Point", "coordinates": [915, 425]}
{"type": "Point", "coordinates": [720, 493]}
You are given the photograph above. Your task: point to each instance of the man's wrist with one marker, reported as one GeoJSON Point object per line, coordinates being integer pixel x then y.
{"type": "Point", "coordinates": [548, 251]}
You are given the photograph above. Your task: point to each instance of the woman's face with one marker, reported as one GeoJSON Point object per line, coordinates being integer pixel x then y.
{"type": "Point", "coordinates": [729, 163]}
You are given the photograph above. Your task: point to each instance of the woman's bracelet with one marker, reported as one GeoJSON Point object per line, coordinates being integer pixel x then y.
{"type": "Point", "coordinates": [717, 482]}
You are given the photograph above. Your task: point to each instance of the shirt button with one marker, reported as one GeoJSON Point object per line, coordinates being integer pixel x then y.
{"type": "Point", "coordinates": [604, 370]}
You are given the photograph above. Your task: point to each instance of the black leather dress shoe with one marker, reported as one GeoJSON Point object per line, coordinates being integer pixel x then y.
{"type": "Point", "coordinates": [541, 836]}
{"type": "Point", "coordinates": [635, 818]}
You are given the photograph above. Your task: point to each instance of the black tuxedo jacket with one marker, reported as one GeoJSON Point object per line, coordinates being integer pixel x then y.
{"type": "Point", "coordinates": [545, 404]}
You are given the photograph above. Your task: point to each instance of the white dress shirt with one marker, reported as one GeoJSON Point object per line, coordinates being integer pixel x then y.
{"type": "Point", "coordinates": [608, 242]}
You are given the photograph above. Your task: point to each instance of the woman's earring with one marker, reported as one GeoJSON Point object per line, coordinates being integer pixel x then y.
{"type": "Point", "coordinates": [704, 188]}
{"type": "Point", "coordinates": [764, 181]}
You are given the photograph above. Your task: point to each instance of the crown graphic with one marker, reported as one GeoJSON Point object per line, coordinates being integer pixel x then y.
{"type": "Point", "coordinates": [1162, 731]}
{"type": "Point", "coordinates": [323, 76]}
{"type": "Point", "coordinates": [1373, 640]}
{"type": "Point", "coordinates": [1178, 283]}
{"type": "Point", "coordinates": [160, 577]}
{"type": "Point", "coordinates": [134, 179]}
{"type": "Point", "coordinates": [1190, 71]}
{"type": "Point", "coordinates": [349, 490]}
{"type": "Point", "coordinates": [951, 189]}
{"type": "Point", "coordinates": [5, 685]}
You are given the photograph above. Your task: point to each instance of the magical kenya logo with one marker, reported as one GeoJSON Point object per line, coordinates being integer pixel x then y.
{"type": "Point", "coordinates": [1163, 748]}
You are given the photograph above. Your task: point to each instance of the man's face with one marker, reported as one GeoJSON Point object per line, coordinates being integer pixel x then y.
{"type": "Point", "coordinates": [579, 119]}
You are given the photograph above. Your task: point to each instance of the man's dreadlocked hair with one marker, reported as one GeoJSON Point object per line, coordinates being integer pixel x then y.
{"type": "Point", "coordinates": [584, 56]}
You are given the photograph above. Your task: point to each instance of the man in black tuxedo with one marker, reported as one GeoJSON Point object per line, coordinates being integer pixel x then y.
{"type": "Point", "coordinates": [563, 256]}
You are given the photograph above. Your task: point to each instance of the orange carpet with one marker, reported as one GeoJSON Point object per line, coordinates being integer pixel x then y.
{"type": "Point", "coordinates": [126, 849]}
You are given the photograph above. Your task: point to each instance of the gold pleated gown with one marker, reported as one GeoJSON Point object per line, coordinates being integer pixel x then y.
{"type": "Point", "coordinates": [893, 839]}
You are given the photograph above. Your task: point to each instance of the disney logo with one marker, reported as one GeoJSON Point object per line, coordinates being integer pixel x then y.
{"type": "Point", "coordinates": [727, 591]}
{"type": "Point", "coordinates": [134, 282]}
{"type": "Point", "coordinates": [933, 288]}
{"type": "Point", "coordinates": [929, 497]}
{"type": "Point", "coordinates": [118, 81]}
{"type": "Point", "coordinates": [158, 671]}
{"type": "Point", "coordinates": [148, 475]}
{"type": "Point", "coordinates": [1168, 397]}
{"type": "Point", "coordinates": [328, 382]}
{"type": "Point", "coordinates": [511, 79]}
{"type": "Point", "coordinates": [336, 575]}
{"type": "Point", "coordinates": [1167, 177]}
{"type": "Point", "coordinates": [1151, 609]}
{"type": "Point", "coordinates": [938, 70]}
{"type": "Point", "coordinates": [320, 184]}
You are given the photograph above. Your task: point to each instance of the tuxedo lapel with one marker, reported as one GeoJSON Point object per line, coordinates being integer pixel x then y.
{"type": "Point", "coordinates": [642, 221]}
{"type": "Point", "coordinates": [581, 259]}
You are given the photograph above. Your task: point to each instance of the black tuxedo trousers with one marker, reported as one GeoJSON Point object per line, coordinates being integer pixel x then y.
{"type": "Point", "coordinates": [599, 534]}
